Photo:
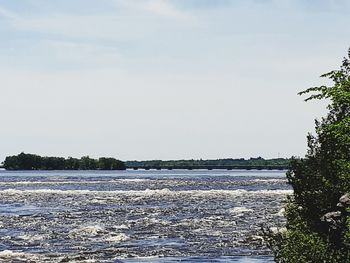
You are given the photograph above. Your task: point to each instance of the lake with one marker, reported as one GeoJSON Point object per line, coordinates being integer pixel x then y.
{"type": "Point", "coordinates": [139, 216]}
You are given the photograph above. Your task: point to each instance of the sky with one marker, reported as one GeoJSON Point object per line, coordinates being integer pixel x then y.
{"type": "Point", "coordinates": [165, 79]}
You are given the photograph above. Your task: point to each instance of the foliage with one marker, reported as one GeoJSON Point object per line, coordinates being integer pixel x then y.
{"type": "Point", "coordinates": [259, 161]}
{"type": "Point", "coordinates": [25, 161]}
{"type": "Point", "coordinates": [109, 164]}
{"type": "Point", "coordinates": [317, 223]}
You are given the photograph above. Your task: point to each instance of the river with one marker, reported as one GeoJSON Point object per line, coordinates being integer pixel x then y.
{"type": "Point", "coordinates": [139, 216]}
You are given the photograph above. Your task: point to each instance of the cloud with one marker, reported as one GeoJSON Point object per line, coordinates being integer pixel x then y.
{"type": "Point", "coordinates": [129, 20]}
{"type": "Point", "coordinates": [164, 8]}
{"type": "Point", "coordinates": [93, 26]}
{"type": "Point", "coordinates": [8, 14]}
{"type": "Point", "coordinates": [187, 72]}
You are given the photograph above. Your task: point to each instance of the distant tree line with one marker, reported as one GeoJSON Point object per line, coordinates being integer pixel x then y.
{"type": "Point", "coordinates": [253, 162]}
{"type": "Point", "coordinates": [24, 161]}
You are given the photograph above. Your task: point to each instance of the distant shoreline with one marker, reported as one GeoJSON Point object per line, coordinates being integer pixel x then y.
{"type": "Point", "coordinates": [258, 163]}
{"type": "Point", "coordinates": [25, 162]}
{"type": "Point", "coordinates": [152, 169]}
{"type": "Point", "coordinates": [258, 168]}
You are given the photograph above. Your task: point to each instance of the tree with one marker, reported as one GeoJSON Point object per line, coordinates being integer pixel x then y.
{"type": "Point", "coordinates": [25, 161]}
{"type": "Point", "coordinates": [86, 163]}
{"type": "Point", "coordinates": [110, 164]}
{"type": "Point", "coordinates": [318, 213]}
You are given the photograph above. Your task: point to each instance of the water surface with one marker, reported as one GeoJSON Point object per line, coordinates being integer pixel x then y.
{"type": "Point", "coordinates": [138, 216]}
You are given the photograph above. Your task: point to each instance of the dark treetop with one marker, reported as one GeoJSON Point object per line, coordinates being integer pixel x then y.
{"type": "Point", "coordinates": [252, 163]}
{"type": "Point", "coordinates": [25, 161]}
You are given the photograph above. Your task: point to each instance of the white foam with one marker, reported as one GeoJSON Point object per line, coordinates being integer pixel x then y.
{"type": "Point", "coordinates": [276, 230]}
{"type": "Point", "coordinates": [239, 210]}
{"type": "Point", "coordinates": [46, 191]}
{"type": "Point", "coordinates": [61, 182]}
{"type": "Point", "coordinates": [10, 254]}
{"type": "Point", "coordinates": [133, 180]}
{"type": "Point", "coordinates": [121, 227]}
{"type": "Point", "coordinates": [31, 238]}
{"type": "Point", "coordinates": [13, 255]}
{"type": "Point", "coordinates": [140, 258]}
{"type": "Point", "coordinates": [93, 230]}
{"type": "Point", "coordinates": [148, 192]}
{"type": "Point", "coordinates": [98, 201]}
{"type": "Point", "coordinates": [117, 238]}
{"type": "Point", "coordinates": [52, 182]}
{"type": "Point", "coordinates": [275, 192]}
{"type": "Point", "coordinates": [269, 180]}
{"type": "Point", "coordinates": [281, 212]}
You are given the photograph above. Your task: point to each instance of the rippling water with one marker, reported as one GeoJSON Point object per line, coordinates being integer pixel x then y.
{"type": "Point", "coordinates": [138, 216]}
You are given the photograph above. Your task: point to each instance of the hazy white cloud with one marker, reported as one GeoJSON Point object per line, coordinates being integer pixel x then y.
{"type": "Point", "coordinates": [79, 26]}
{"type": "Point", "coordinates": [164, 8]}
{"type": "Point", "coordinates": [130, 21]}
{"type": "Point", "coordinates": [148, 79]}
{"type": "Point", "coordinates": [8, 14]}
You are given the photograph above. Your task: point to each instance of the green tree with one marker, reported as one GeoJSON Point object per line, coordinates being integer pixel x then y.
{"type": "Point", "coordinates": [86, 163]}
{"type": "Point", "coordinates": [110, 164]}
{"type": "Point", "coordinates": [318, 212]}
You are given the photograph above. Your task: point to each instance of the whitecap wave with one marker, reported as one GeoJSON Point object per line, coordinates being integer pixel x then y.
{"type": "Point", "coordinates": [240, 210]}
{"type": "Point", "coordinates": [148, 192]}
{"type": "Point", "coordinates": [16, 256]}
{"type": "Point", "coordinates": [117, 238]}
{"type": "Point", "coordinates": [93, 230]}
{"type": "Point", "coordinates": [62, 182]}
{"type": "Point", "coordinates": [272, 180]}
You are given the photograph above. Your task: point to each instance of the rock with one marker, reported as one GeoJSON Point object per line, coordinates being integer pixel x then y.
{"type": "Point", "coordinates": [331, 217]}
{"type": "Point", "coordinates": [344, 201]}
{"type": "Point", "coordinates": [276, 230]}
{"type": "Point", "coordinates": [281, 212]}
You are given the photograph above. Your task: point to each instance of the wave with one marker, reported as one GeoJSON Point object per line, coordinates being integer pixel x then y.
{"type": "Point", "coordinates": [16, 256]}
{"type": "Point", "coordinates": [117, 238]}
{"type": "Point", "coordinates": [59, 182]}
{"type": "Point", "coordinates": [148, 192]}
{"type": "Point", "coordinates": [240, 210]}
{"type": "Point", "coordinates": [93, 230]}
{"type": "Point", "coordinates": [273, 180]}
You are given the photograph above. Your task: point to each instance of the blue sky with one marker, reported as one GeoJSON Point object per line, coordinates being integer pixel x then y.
{"type": "Point", "coordinates": [164, 79]}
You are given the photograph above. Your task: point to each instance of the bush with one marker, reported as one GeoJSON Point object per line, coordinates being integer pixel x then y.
{"type": "Point", "coordinates": [317, 214]}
